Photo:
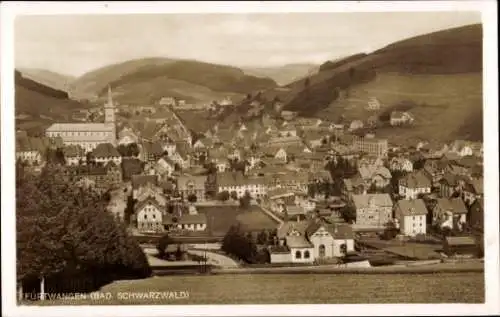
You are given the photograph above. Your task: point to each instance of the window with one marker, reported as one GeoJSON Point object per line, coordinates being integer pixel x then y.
{"type": "Point", "coordinates": [298, 255]}
{"type": "Point", "coordinates": [306, 255]}
{"type": "Point", "coordinates": [145, 216]}
{"type": "Point", "coordinates": [321, 250]}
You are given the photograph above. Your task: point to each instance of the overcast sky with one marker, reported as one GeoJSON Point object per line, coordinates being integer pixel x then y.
{"type": "Point", "coordinates": [74, 45]}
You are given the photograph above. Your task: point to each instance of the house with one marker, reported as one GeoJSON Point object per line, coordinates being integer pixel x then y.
{"type": "Point", "coordinates": [292, 238]}
{"type": "Point", "coordinates": [411, 216]}
{"type": "Point", "coordinates": [473, 190]}
{"type": "Point", "coordinates": [151, 151]}
{"type": "Point", "coordinates": [450, 213]}
{"type": "Point", "coordinates": [164, 168]}
{"type": "Point", "coordinates": [310, 241]}
{"type": "Point", "coordinates": [98, 178]}
{"type": "Point", "coordinates": [353, 186]}
{"type": "Point", "coordinates": [237, 182]}
{"type": "Point", "coordinates": [131, 166]}
{"type": "Point", "coordinates": [188, 185]}
{"type": "Point", "coordinates": [139, 181]}
{"type": "Point", "coordinates": [191, 221]}
{"type": "Point", "coordinates": [127, 136]}
{"type": "Point", "coordinates": [149, 216]}
{"type": "Point", "coordinates": [150, 190]}
{"type": "Point", "coordinates": [356, 125]}
{"type": "Point", "coordinates": [451, 185]}
{"type": "Point", "coordinates": [434, 169]}
{"type": "Point", "coordinates": [330, 240]}
{"type": "Point", "coordinates": [401, 164]}
{"type": "Point", "coordinates": [297, 181]}
{"type": "Point", "coordinates": [414, 184]}
{"type": "Point", "coordinates": [74, 155]}
{"type": "Point", "coordinates": [376, 175]}
{"type": "Point", "coordinates": [106, 152]}
{"type": "Point", "coordinates": [373, 104]}
{"type": "Point", "coordinates": [466, 246]}
{"type": "Point", "coordinates": [476, 214]}
{"type": "Point", "coordinates": [372, 209]}
{"type": "Point", "coordinates": [401, 118]}
{"type": "Point", "coordinates": [181, 157]}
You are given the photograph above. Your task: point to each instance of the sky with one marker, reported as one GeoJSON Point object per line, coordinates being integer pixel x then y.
{"type": "Point", "coordinates": [74, 45]}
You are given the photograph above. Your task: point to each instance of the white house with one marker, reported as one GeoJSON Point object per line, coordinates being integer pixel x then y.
{"type": "Point", "coordinates": [411, 216]}
{"type": "Point", "coordinates": [149, 216]}
{"type": "Point", "coordinates": [193, 221]}
{"type": "Point", "coordinates": [330, 240]}
{"type": "Point", "coordinates": [414, 184]}
{"type": "Point", "coordinates": [237, 182]}
{"type": "Point", "coordinates": [74, 154]}
{"type": "Point", "coordinates": [127, 136]}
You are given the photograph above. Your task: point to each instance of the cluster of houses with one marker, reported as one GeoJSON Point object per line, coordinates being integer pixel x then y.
{"type": "Point", "coordinates": [276, 161]}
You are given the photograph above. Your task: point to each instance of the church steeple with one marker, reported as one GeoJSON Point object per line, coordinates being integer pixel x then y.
{"type": "Point", "coordinates": [109, 108]}
{"type": "Point", "coordinates": [110, 98]}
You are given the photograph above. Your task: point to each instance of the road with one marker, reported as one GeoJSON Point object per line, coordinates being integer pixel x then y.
{"type": "Point", "coordinates": [216, 258]}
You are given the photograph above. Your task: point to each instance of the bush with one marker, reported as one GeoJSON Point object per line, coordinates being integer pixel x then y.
{"type": "Point", "coordinates": [223, 196]}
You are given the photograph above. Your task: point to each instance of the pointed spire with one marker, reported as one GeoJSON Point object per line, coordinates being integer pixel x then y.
{"type": "Point", "coordinates": [110, 98]}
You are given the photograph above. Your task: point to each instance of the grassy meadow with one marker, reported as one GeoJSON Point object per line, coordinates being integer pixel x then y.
{"type": "Point", "coordinates": [300, 289]}
{"type": "Point", "coordinates": [449, 106]}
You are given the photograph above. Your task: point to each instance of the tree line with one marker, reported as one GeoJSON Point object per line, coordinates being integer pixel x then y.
{"type": "Point", "coordinates": [66, 240]}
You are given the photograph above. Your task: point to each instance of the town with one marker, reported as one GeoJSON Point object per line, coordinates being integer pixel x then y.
{"type": "Point", "coordinates": [297, 190]}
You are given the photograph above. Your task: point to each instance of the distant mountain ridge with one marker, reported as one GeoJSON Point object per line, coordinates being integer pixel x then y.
{"type": "Point", "coordinates": [285, 74]}
{"type": "Point", "coordinates": [48, 78]}
{"type": "Point", "coordinates": [153, 78]}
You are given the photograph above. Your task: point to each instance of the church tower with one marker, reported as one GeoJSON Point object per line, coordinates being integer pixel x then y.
{"type": "Point", "coordinates": [109, 115]}
{"type": "Point", "coordinates": [109, 109]}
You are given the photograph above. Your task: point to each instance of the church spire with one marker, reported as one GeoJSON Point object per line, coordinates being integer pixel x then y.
{"type": "Point", "coordinates": [110, 98]}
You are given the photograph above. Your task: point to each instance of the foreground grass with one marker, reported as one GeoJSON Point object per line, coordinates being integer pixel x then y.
{"type": "Point", "coordinates": [300, 289]}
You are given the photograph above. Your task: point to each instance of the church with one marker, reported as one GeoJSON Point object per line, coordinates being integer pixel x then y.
{"type": "Point", "coordinates": [88, 135]}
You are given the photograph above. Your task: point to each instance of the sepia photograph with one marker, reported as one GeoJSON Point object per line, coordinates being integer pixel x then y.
{"type": "Point", "coordinates": [221, 154]}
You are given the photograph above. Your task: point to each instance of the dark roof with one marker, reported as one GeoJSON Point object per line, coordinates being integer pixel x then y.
{"type": "Point", "coordinates": [105, 150]}
{"type": "Point", "coordinates": [279, 249]}
{"type": "Point", "coordinates": [141, 180]}
{"type": "Point", "coordinates": [73, 151]}
{"type": "Point", "coordinates": [412, 207]}
{"type": "Point", "coordinates": [456, 205]}
{"type": "Point", "coordinates": [193, 219]}
{"type": "Point", "coordinates": [416, 180]}
{"type": "Point", "coordinates": [131, 166]}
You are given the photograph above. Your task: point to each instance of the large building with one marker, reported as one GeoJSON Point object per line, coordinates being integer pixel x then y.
{"type": "Point", "coordinates": [87, 135]}
{"type": "Point", "coordinates": [371, 146]}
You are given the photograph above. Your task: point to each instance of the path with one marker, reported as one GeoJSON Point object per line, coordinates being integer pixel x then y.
{"type": "Point", "coordinates": [216, 258]}
{"type": "Point", "coordinates": [271, 214]}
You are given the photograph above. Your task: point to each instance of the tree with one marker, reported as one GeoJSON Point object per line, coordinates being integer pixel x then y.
{"type": "Point", "coordinates": [65, 234]}
{"type": "Point", "coordinates": [348, 214]}
{"type": "Point", "coordinates": [192, 198]}
{"type": "Point", "coordinates": [162, 245]}
{"type": "Point", "coordinates": [123, 150]}
{"type": "Point", "coordinates": [245, 200]}
{"type": "Point", "coordinates": [262, 237]}
{"type": "Point", "coordinates": [133, 149]}
{"type": "Point", "coordinates": [234, 195]}
{"type": "Point", "coordinates": [223, 196]}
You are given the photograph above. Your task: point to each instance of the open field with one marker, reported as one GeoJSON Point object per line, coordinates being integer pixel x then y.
{"type": "Point", "coordinates": [289, 289]}
{"type": "Point", "coordinates": [447, 105]}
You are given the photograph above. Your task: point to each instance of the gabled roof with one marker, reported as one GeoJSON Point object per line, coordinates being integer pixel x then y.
{"type": "Point", "coordinates": [378, 200]}
{"type": "Point", "coordinates": [456, 205]}
{"type": "Point", "coordinates": [148, 201]}
{"type": "Point", "coordinates": [73, 151]}
{"type": "Point", "coordinates": [416, 180]}
{"type": "Point", "coordinates": [141, 180]}
{"type": "Point", "coordinates": [105, 150]}
{"type": "Point", "coordinates": [298, 242]}
{"type": "Point", "coordinates": [368, 172]}
{"type": "Point", "coordinates": [131, 166]}
{"type": "Point", "coordinates": [413, 207]}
